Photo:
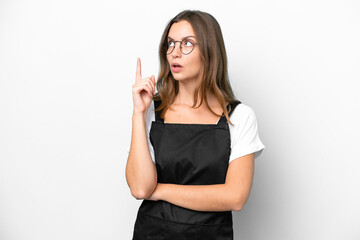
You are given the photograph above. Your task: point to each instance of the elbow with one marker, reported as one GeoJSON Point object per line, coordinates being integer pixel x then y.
{"type": "Point", "coordinates": [237, 204]}
{"type": "Point", "coordinates": [141, 187]}
{"type": "Point", "coordinates": [140, 193]}
{"type": "Point", "coordinates": [237, 207]}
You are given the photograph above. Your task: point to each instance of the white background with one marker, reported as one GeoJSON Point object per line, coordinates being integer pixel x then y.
{"type": "Point", "coordinates": [66, 73]}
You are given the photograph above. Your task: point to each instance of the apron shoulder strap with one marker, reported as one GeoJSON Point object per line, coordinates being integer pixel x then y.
{"type": "Point", "coordinates": [230, 107]}
{"type": "Point", "coordinates": [158, 113]}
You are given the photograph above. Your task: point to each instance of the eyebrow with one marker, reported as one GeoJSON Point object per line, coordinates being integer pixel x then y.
{"type": "Point", "coordinates": [183, 37]}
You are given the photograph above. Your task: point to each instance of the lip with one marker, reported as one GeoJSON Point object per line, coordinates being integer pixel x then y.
{"type": "Point", "coordinates": [176, 69]}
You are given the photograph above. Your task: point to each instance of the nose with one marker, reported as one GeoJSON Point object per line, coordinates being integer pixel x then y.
{"type": "Point", "coordinates": [177, 51]}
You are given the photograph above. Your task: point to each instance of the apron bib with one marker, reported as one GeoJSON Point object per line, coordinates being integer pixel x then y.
{"type": "Point", "coordinates": [187, 154]}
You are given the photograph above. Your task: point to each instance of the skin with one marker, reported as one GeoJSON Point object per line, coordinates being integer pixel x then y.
{"type": "Point", "coordinates": [181, 110]}
{"type": "Point", "coordinates": [141, 171]}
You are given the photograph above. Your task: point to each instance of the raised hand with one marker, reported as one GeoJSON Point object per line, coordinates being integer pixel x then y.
{"type": "Point", "coordinates": [143, 90]}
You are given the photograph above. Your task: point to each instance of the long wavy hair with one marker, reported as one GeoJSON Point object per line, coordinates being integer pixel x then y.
{"type": "Point", "coordinates": [213, 77]}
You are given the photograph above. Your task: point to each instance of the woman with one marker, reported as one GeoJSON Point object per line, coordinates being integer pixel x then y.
{"type": "Point", "coordinates": [193, 144]}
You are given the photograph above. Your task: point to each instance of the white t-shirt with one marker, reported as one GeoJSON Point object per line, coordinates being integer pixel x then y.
{"type": "Point", "coordinates": [244, 133]}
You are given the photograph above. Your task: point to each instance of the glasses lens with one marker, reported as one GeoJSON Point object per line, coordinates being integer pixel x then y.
{"type": "Point", "coordinates": [187, 46]}
{"type": "Point", "coordinates": [170, 48]}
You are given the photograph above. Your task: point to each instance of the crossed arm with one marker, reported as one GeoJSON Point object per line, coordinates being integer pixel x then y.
{"type": "Point", "coordinates": [232, 195]}
{"type": "Point", "coordinates": [142, 179]}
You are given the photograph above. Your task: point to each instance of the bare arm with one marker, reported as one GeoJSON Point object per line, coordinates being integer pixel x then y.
{"type": "Point", "coordinates": [140, 170]}
{"type": "Point", "coordinates": [232, 195]}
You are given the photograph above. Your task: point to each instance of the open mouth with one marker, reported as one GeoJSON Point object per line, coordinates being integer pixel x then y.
{"type": "Point", "coordinates": [176, 67]}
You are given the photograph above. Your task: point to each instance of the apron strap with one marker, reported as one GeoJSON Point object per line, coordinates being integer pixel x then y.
{"type": "Point", "coordinates": [233, 106]}
{"type": "Point", "coordinates": [158, 113]}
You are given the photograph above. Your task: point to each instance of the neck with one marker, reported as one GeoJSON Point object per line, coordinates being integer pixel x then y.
{"type": "Point", "coordinates": [186, 94]}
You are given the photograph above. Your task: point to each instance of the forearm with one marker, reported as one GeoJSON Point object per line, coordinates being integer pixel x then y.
{"type": "Point", "coordinates": [141, 173]}
{"type": "Point", "coordinates": [218, 197]}
{"type": "Point", "coordinates": [232, 195]}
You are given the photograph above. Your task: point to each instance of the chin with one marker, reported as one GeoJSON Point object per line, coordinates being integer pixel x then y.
{"type": "Point", "coordinates": [176, 76]}
{"type": "Point", "coordinates": [180, 77]}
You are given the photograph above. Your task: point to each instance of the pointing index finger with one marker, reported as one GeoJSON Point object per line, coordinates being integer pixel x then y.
{"type": "Point", "coordinates": [138, 70]}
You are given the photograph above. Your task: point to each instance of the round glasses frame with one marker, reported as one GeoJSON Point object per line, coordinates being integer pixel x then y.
{"type": "Point", "coordinates": [181, 49]}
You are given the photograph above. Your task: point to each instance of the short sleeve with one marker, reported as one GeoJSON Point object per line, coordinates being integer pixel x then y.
{"type": "Point", "coordinates": [150, 116]}
{"type": "Point", "coordinates": [244, 133]}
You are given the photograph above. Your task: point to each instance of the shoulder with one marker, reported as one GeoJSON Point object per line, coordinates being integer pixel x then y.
{"type": "Point", "coordinates": [244, 133]}
{"type": "Point", "coordinates": [241, 113]}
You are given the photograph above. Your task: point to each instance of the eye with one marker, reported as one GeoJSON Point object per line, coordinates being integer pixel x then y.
{"type": "Point", "coordinates": [170, 43]}
{"type": "Point", "coordinates": [188, 43]}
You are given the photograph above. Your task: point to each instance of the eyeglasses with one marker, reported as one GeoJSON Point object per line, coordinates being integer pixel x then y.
{"type": "Point", "coordinates": [186, 46]}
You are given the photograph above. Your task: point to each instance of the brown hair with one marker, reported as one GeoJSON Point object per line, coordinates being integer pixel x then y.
{"type": "Point", "coordinates": [214, 76]}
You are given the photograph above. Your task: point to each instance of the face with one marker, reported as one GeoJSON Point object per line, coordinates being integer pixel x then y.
{"type": "Point", "coordinates": [191, 63]}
